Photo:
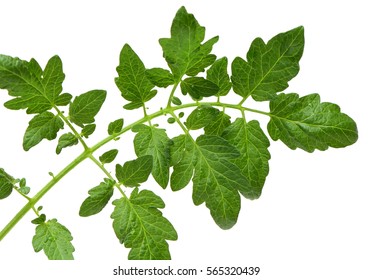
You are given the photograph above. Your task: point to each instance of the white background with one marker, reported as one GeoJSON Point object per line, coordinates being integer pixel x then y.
{"type": "Point", "coordinates": [314, 219]}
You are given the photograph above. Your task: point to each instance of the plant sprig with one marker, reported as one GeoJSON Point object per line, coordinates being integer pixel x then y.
{"type": "Point", "coordinates": [228, 160]}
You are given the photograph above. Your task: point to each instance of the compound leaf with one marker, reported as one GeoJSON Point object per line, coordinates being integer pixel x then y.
{"type": "Point", "coordinates": [134, 172]}
{"type": "Point", "coordinates": [98, 198]}
{"type": "Point", "coordinates": [132, 81]}
{"type": "Point", "coordinates": [184, 51]}
{"type": "Point", "coordinates": [253, 145]}
{"type": "Point", "coordinates": [216, 180]}
{"type": "Point", "coordinates": [218, 74]}
{"type": "Point", "coordinates": [308, 124]}
{"type": "Point", "coordinates": [44, 125]}
{"type": "Point", "coordinates": [33, 89]}
{"type": "Point", "coordinates": [54, 239]}
{"type": "Point", "coordinates": [66, 140]}
{"type": "Point", "coordinates": [108, 156]}
{"type": "Point", "coordinates": [269, 67]}
{"type": "Point", "coordinates": [6, 184]}
{"type": "Point", "coordinates": [153, 141]}
{"type": "Point", "coordinates": [85, 107]}
{"type": "Point", "coordinates": [140, 225]}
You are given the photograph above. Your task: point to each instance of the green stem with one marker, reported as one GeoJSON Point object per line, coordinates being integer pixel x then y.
{"type": "Point", "coordinates": [31, 203]}
{"type": "Point", "coordinates": [89, 151]}
{"type": "Point", "coordinates": [22, 194]}
{"type": "Point", "coordinates": [146, 114]}
{"type": "Point", "coordinates": [102, 167]}
{"type": "Point", "coordinates": [107, 173]}
{"type": "Point", "coordinates": [69, 124]}
{"type": "Point", "coordinates": [186, 131]}
{"type": "Point", "coordinates": [28, 199]}
{"type": "Point", "coordinates": [172, 95]}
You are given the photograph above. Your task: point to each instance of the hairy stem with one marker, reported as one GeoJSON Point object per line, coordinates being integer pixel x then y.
{"type": "Point", "coordinates": [89, 151]}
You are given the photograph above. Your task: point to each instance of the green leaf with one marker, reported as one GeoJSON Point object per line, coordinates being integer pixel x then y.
{"type": "Point", "coordinates": [85, 107]}
{"type": "Point", "coordinates": [160, 77]}
{"type": "Point", "coordinates": [42, 126]}
{"type": "Point", "coordinates": [132, 81]}
{"type": "Point", "coordinates": [133, 105]}
{"type": "Point", "coordinates": [33, 89]}
{"type": "Point", "coordinates": [24, 190]}
{"type": "Point", "coordinates": [6, 184]}
{"type": "Point", "coordinates": [134, 172]}
{"type": "Point", "coordinates": [308, 124]}
{"type": "Point", "coordinates": [253, 145]}
{"type": "Point", "coordinates": [22, 183]}
{"type": "Point", "coordinates": [115, 127]}
{"type": "Point", "coordinates": [108, 156]}
{"type": "Point", "coordinates": [184, 51]}
{"type": "Point", "coordinates": [183, 160]}
{"type": "Point", "coordinates": [201, 57]}
{"type": "Point", "coordinates": [39, 220]}
{"type": "Point", "coordinates": [269, 67]}
{"type": "Point", "coordinates": [53, 78]}
{"type": "Point", "coordinates": [171, 120]}
{"type": "Point", "coordinates": [153, 141]}
{"type": "Point", "coordinates": [201, 117]}
{"type": "Point", "coordinates": [218, 124]}
{"type": "Point", "coordinates": [88, 130]}
{"type": "Point", "coordinates": [64, 99]}
{"type": "Point", "coordinates": [66, 140]}
{"type": "Point", "coordinates": [218, 74]}
{"type": "Point", "coordinates": [140, 225]}
{"type": "Point", "coordinates": [35, 68]}
{"type": "Point", "coordinates": [176, 101]}
{"type": "Point", "coordinates": [216, 180]}
{"type": "Point", "coordinates": [198, 87]}
{"type": "Point", "coordinates": [98, 198]}
{"type": "Point", "coordinates": [54, 239]}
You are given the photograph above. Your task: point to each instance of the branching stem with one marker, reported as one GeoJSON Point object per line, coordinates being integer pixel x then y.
{"type": "Point", "coordinates": [69, 124]}
{"type": "Point", "coordinates": [88, 152]}
{"type": "Point", "coordinates": [107, 173]}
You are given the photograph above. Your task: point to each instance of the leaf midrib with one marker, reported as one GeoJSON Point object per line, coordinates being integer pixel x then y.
{"type": "Point", "coordinates": [144, 229]}
{"type": "Point", "coordinates": [54, 240]}
{"type": "Point", "coordinates": [211, 171]}
{"type": "Point", "coordinates": [300, 123]}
